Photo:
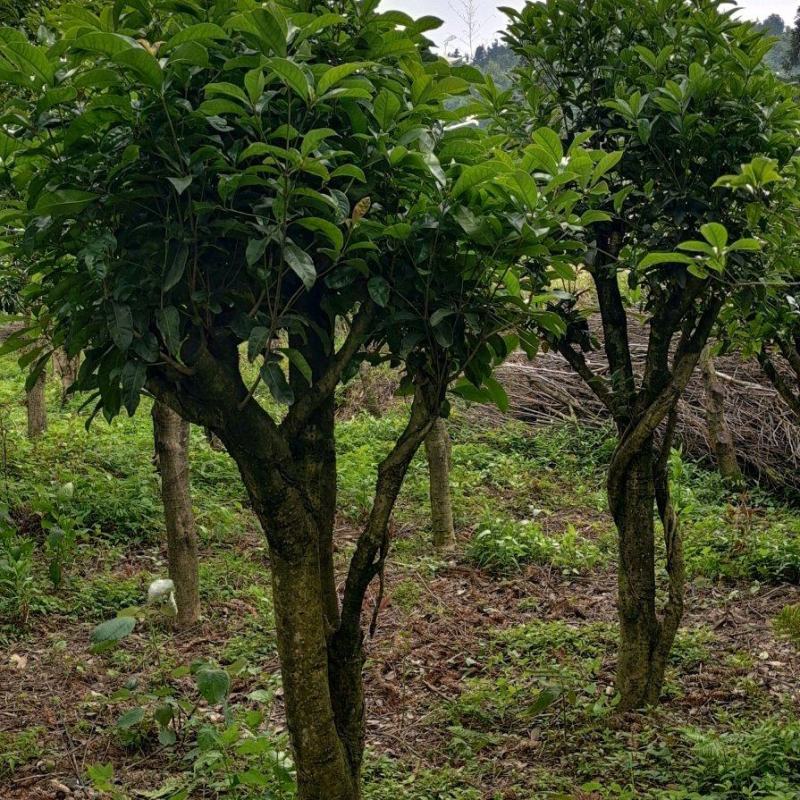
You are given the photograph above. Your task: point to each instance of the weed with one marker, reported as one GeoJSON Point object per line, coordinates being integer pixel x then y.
{"type": "Point", "coordinates": [787, 623]}
{"type": "Point", "coordinates": [503, 545]}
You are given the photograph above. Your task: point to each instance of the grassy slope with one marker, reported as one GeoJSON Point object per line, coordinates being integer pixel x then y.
{"type": "Point", "coordinates": [490, 675]}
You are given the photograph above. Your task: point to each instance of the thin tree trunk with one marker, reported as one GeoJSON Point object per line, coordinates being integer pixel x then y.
{"type": "Point", "coordinates": [719, 434]}
{"type": "Point", "coordinates": [171, 436]}
{"type": "Point", "coordinates": [66, 369]}
{"type": "Point", "coordinates": [36, 404]}
{"type": "Point", "coordinates": [437, 449]}
{"type": "Point", "coordinates": [645, 638]}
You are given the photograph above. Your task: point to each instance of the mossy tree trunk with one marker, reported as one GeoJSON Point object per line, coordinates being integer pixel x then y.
{"type": "Point", "coordinates": [438, 450]}
{"type": "Point", "coordinates": [36, 405]}
{"type": "Point", "coordinates": [171, 438]}
{"type": "Point", "coordinates": [719, 434]}
{"type": "Point", "coordinates": [289, 471]}
{"type": "Point", "coordinates": [638, 479]}
{"type": "Point", "coordinates": [646, 634]}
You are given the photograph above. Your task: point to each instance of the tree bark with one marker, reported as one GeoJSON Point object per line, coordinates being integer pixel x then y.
{"type": "Point", "coordinates": [719, 434]}
{"type": "Point", "coordinates": [35, 401]}
{"type": "Point", "coordinates": [171, 437]}
{"type": "Point", "coordinates": [645, 637]}
{"type": "Point", "coordinates": [438, 449]}
{"type": "Point", "coordinates": [66, 369]}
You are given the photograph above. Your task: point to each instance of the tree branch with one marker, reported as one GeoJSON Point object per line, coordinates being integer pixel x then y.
{"type": "Point", "coordinates": [597, 384]}
{"type": "Point", "coordinates": [779, 382]}
{"type": "Point", "coordinates": [370, 552]}
{"type": "Point", "coordinates": [306, 405]}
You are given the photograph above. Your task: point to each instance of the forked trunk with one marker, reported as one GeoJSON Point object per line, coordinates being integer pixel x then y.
{"type": "Point", "coordinates": [35, 402]}
{"type": "Point", "coordinates": [437, 449]}
{"type": "Point", "coordinates": [645, 638]}
{"type": "Point", "coordinates": [719, 435]}
{"type": "Point", "coordinates": [171, 437]}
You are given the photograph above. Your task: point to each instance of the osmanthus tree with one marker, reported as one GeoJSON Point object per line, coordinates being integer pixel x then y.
{"type": "Point", "coordinates": [680, 88]}
{"type": "Point", "coordinates": [762, 318]}
{"type": "Point", "coordinates": [272, 184]}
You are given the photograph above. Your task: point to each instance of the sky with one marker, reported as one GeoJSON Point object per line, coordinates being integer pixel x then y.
{"type": "Point", "coordinates": [490, 21]}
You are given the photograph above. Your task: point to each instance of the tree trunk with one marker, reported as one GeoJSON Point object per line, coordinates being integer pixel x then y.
{"type": "Point", "coordinates": [645, 640]}
{"type": "Point", "coordinates": [437, 449]}
{"type": "Point", "coordinates": [719, 435]}
{"type": "Point", "coordinates": [66, 369]}
{"type": "Point", "coordinates": [327, 748]}
{"type": "Point", "coordinates": [171, 436]}
{"type": "Point", "coordinates": [36, 404]}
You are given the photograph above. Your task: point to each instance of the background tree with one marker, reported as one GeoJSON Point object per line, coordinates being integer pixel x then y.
{"type": "Point", "coordinates": [265, 179]}
{"type": "Point", "coordinates": [719, 435]}
{"type": "Point", "coordinates": [437, 450]}
{"type": "Point", "coordinates": [682, 88]}
{"type": "Point", "coordinates": [171, 437]}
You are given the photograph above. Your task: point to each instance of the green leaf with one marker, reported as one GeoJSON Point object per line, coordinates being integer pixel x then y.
{"type": "Point", "coordinates": [132, 379]}
{"type": "Point", "coordinates": [477, 174]}
{"type": "Point", "coordinates": [143, 64]}
{"type": "Point", "coordinates": [379, 290]}
{"type": "Point", "coordinates": [214, 685]}
{"type": "Point", "coordinates": [257, 342]}
{"type": "Point", "coordinates": [254, 83]}
{"type": "Point", "coordinates": [653, 259]}
{"type": "Point", "coordinates": [181, 184]}
{"type": "Point", "coordinates": [176, 268]}
{"type": "Point", "coordinates": [110, 44]}
{"type": "Point", "coordinates": [332, 76]}
{"type": "Point", "coordinates": [385, 108]}
{"type": "Point", "coordinates": [715, 234]}
{"type": "Point", "coordinates": [291, 74]}
{"type": "Point", "coordinates": [120, 325]}
{"type": "Point", "coordinates": [62, 202]}
{"type": "Point", "coordinates": [130, 718]}
{"type": "Point", "coordinates": [314, 138]}
{"type": "Point", "coordinates": [550, 141]}
{"type": "Point", "coordinates": [32, 61]}
{"type": "Point", "coordinates": [745, 244]}
{"type": "Point", "coordinates": [277, 384]}
{"type": "Point", "coordinates": [497, 393]}
{"type": "Point", "coordinates": [255, 250]}
{"type": "Point", "coordinates": [326, 228]}
{"type": "Point", "coordinates": [301, 264]}
{"type": "Point", "coordinates": [299, 362]}
{"type": "Point", "coordinates": [349, 171]}
{"type": "Point", "coordinates": [271, 30]}
{"type": "Point", "coordinates": [606, 164]}
{"type": "Point", "coordinates": [8, 145]}
{"type": "Point", "coordinates": [528, 191]}
{"type": "Point", "coordinates": [112, 630]}
{"type": "Point", "coordinates": [201, 32]}
{"type": "Point", "coordinates": [168, 322]}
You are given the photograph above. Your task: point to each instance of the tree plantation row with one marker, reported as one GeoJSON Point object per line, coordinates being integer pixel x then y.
{"type": "Point", "coordinates": [236, 209]}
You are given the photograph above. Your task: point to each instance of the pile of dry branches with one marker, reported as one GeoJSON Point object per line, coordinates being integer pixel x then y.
{"type": "Point", "coordinates": [767, 438]}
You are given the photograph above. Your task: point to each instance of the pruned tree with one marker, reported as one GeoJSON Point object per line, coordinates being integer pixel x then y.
{"type": "Point", "coordinates": [681, 88]}
{"type": "Point", "coordinates": [235, 186]}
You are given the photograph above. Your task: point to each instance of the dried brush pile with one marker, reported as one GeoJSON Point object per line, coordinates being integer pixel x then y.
{"type": "Point", "coordinates": [767, 437]}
